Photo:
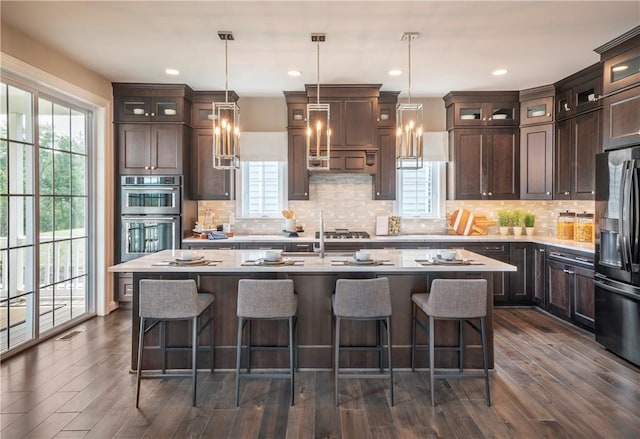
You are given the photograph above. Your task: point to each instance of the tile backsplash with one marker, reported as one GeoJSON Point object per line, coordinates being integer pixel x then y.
{"type": "Point", "coordinates": [346, 202]}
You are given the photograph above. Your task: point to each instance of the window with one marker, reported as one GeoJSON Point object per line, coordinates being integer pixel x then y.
{"type": "Point", "coordinates": [44, 205]}
{"type": "Point", "coordinates": [262, 189]}
{"type": "Point", "coordinates": [421, 191]}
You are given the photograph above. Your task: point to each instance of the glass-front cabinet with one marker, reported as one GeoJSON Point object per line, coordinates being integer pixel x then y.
{"type": "Point", "coordinates": [486, 114]}
{"type": "Point", "coordinates": [536, 111]}
{"type": "Point", "coordinates": [149, 109]}
{"type": "Point", "coordinates": [622, 71]}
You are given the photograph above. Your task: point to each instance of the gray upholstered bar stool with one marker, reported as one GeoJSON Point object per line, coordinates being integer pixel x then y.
{"type": "Point", "coordinates": [164, 300]}
{"type": "Point", "coordinates": [452, 299]}
{"type": "Point", "coordinates": [266, 299]}
{"type": "Point", "coordinates": [362, 299]}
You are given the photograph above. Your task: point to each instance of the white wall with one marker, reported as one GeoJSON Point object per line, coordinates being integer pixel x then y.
{"type": "Point", "coordinates": [43, 65]}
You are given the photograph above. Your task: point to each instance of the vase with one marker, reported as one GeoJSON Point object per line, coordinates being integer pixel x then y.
{"type": "Point", "coordinates": [517, 230]}
{"type": "Point", "coordinates": [529, 230]}
{"type": "Point", "coordinates": [504, 230]}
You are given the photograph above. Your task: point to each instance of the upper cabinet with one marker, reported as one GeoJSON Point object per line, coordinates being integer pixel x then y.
{"type": "Point", "coordinates": [152, 103]}
{"type": "Point", "coordinates": [536, 105]}
{"type": "Point", "coordinates": [621, 106]}
{"type": "Point", "coordinates": [482, 109]}
{"type": "Point", "coordinates": [579, 92]}
{"type": "Point", "coordinates": [208, 183]}
{"type": "Point", "coordinates": [484, 144]}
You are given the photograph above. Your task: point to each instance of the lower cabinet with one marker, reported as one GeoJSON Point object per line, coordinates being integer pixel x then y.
{"type": "Point", "coordinates": [521, 282]}
{"type": "Point", "coordinates": [570, 293]}
{"type": "Point", "coordinates": [125, 290]}
{"type": "Point", "coordinates": [538, 275]}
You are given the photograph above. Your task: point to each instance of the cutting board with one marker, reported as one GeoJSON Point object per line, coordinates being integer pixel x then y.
{"type": "Point", "coordinates": [462, 221]}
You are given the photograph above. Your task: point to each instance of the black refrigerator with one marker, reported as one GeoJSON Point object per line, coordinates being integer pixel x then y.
{"type": "Point", "coordinates": [617, 279]}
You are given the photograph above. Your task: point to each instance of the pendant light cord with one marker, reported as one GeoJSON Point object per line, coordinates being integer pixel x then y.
{"type": "Point", "coordinates": [226, 72]}
{"type": "Point", "coordinates": [409, 68]}
{"type": "Point", "coordinates": [318, 73]}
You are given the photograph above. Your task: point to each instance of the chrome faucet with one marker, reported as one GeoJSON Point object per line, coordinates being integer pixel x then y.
{"type": "Point", "coordinates": [321, 235]}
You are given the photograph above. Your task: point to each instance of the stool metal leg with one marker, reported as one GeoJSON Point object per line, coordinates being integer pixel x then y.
{"type": "Point", "coordinates": [291, 357]}
{"type": "Point", "coordinates": [380, 344]}
{"type": "Point", "coordinates": [484, 359]}
{"type": "Point", "coordinates": [461, 347]}
{"type": "Point", "coordinates": [249, 347]}
{"type": "Point", "coordinates": [337, 357]}
{"type": "Point", "coordinates": [238, 355]}
{"type": "Point", "coordinates": [413, 336]}
{"type": "Point", "coordinates": [194, 356]}
{"type": "Point", "coordinates": [211, 334]}
{"type": "Point", "coordinates": [431, 360]}
{"type": "Point", "coordinates": [388, 325]}
{"type": "Point", "coordinates": [163, 345]}
{"type": "Point", "coordinates": [140, 350]}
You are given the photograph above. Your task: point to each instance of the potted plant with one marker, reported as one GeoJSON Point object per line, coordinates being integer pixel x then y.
{"type": "Point", "coordinates": [517, 217]}
{"type": "Point", "coordinates": [504, 221]}
{"type": "Point", "coordinates": [529, 221]}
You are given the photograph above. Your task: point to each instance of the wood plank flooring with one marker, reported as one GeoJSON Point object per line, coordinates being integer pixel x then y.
{"type": "Point", "coordinates": [550, 381]}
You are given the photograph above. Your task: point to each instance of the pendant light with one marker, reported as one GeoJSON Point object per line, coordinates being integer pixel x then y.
{"type": "Point", "coordinates": [318, 123]}
{"type": "Point", "coordinates": [409, 125]}
{"type": "Point", "coordinates": [226, 125]}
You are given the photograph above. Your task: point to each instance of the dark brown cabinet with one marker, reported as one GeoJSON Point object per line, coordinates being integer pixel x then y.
{"type": "Point", "coordinates": [536, 162]}
{"type": "Point", "coordinates": [577, 141]}
{"type": "Point", "coordinates": [579, 92]}
{"type": "Point", "coordinates": [384, 182]}
{"type": "Point", "coordinates": [148, 149]}
{"type": "Point", "coordinates": [485, 163]}
{"type": "Point", "coordinates": [482, 109]}
{"type": "Point", "coordinates": [297, 164]}
{"type": "Point", "coordinates": [621, 119]}
{"type": "Point", "coordinates": [538, 269]}
{"type": "Point", "coordinates": [521, 282]}
{"type": "Point", "coordinates": [151, 103]}
{"type": "Point", "coordinates": [536, 111]}
{"type": "Point", "coordinates": [570, 292]}
{"type": "Point", "coordinates": [208, 183]}
{"type": "Point", "coordinates": [621, 62]}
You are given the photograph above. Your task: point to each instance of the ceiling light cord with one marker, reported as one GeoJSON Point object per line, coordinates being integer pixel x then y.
{"type": "Point", "coordinates": [409, 69]}
{"type": "Point", "coordinates": [226, 71]}
{"type": "Point", "coordinates": [318, 72]}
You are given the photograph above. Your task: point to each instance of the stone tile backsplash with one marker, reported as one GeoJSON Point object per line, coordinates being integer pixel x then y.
{"type": "Point", "coordinates": [346, 202]}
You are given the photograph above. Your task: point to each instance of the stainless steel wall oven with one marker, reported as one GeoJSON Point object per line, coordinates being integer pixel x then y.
{"type": "Point", "coordinates": [150, 208]}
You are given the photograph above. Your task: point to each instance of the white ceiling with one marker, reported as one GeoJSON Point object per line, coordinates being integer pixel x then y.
{"type": "Point", "coordinates": [460, 42]}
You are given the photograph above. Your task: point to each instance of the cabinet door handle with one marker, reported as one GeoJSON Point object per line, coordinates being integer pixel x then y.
{"type": "Point", "coordinates": [548, 193]}
{"type": "Point", "coordinates": [153, 167]}
{"type": "Point", "coordinates": [377, 193]}
{"type": "Point", "coordinates": [484, 194]}
{"type": "Point", "coordinates": [566, 193]}
{"type": "Point", "coordinates": [580, 258]}
{"type": "Point", "coordinates": [490, 118]}
{"type": "Point", "coordinates": [484, 118]}
{"type": "Point", "coordinates": [541, 250]}
{"type": "Point", "coordinates": [226, 193]}
{"type": "Point", "coordinates": [306, 193]}
{"type": "Point", "coordinates": [564, 270]}
{"type": "Point", "coordinates": [490, 194]}
{"type": "Point", "coordinates": [153, 114]}
{"type": "Point", "coordinates": [147, 168]}
{"type": "Point", "coordinates": [548, 114]}
{"type": "Point", "coordinates": [146, 114]}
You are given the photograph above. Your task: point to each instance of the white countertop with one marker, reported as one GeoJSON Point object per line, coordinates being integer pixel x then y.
{"type": "Point", "coordinates": [235, 261]}
{"type": "Point", "coordinates": [568, 244]}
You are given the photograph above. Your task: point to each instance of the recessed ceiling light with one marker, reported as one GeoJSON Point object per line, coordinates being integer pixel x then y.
{"type": "Point", "coordinates": [500, 72]}
{"type": "Point", "coordinates": [294, 73]}
{"type": "Point", "coordinates": [395, 72]}
{"type": "Point", "coordinates": [172, 72]}
{"type": "Point", "coordinates": [620, 68]}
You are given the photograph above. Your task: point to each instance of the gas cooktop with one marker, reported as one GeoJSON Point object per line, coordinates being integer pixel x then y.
{"type": "Point", "coordinates": [344, 234]}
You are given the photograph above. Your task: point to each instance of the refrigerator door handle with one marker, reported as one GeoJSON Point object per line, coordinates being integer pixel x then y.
{"type": "Point", "coordinates": [625, 214]}
{"type": "Point", "coordinates": [612, 289]}
{"type": "Point", "coordinates": [635, 216]}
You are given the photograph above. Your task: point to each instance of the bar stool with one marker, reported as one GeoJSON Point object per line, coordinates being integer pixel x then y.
{"type": "Point", "coordinates": [265, 299]}
{"type": "Point", "coordinates": [165, 300]}
{"type": "Point", "coordinates": [363, 299]}
{"type": "Point", "coordinates": [452, 299]}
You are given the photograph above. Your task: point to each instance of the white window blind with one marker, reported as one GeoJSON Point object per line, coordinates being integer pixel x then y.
{"type": "Point", "coordinates": [262, 189]}
{"type": "Point", "coordinates": [420, 191]}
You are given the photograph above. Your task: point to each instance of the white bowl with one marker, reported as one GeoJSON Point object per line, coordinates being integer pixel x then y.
{"type": "Point", "coordinates": [537, 113]}
{"type": "Point", "coordinates": [363, 256]}
{"type": "Point", "coordinates": [273, 255]}
{"type": "Point", "coordinates": [170, 112]}
{"type": "Point", "coordinates": [468, 116]}
{"type": "Point", "coordinates": [138, 111]}
{"type": "Point", "coordinates": [187, 255]}
{"type": "Point", "coordinates": [500, 116]}
{"type": "Point", "coordinates": [447, 255]}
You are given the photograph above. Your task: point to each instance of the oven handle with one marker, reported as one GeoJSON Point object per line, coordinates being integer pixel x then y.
{"type": "Point", "coordinates": [149, 218]}
{"type": "Point", "coordinates": [150, 188]}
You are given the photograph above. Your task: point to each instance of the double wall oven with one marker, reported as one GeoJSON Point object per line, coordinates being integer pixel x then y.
{"type": "Point", "coordinates": [617, 278]}
{"type": "Point", "coordinates": [150, 214]}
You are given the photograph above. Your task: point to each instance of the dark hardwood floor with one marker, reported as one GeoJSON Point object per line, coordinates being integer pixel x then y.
{"type": "Point", "coordinates": [551, 380]}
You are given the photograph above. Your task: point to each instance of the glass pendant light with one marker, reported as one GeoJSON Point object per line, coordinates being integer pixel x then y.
{"type": "Point", "coordinates": [318, 124]}
{"type": "Point", "coordinates": [226, 126]}
{"type": "Point", "coordinates": [409, 125]}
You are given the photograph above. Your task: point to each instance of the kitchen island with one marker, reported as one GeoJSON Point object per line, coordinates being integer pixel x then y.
{"type": "Point", "coordinates": [408, 271]}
